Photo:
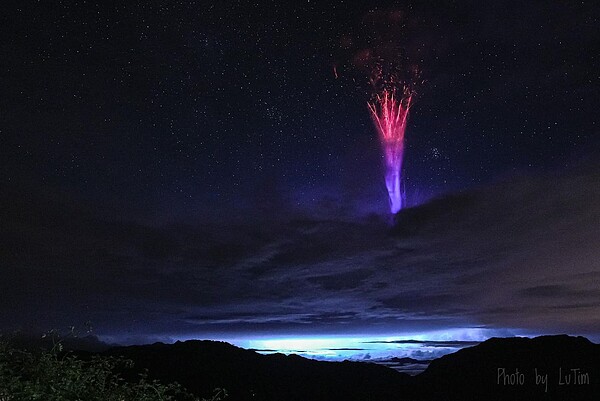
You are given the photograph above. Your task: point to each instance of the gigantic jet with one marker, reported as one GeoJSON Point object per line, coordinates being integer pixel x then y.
{"type": "Point", "coordinates": [389, 110]}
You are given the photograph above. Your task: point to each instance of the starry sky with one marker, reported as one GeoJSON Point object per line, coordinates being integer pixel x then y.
{"type": "Point", "coordinates": [192, 168]}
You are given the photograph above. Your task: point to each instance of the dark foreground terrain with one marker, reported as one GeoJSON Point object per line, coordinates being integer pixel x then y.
{"type": "Point", "coordinates": [542, 368]}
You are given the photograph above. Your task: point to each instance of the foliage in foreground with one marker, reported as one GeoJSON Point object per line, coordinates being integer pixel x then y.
{"type": "Point", "coordinates": [57, 376]}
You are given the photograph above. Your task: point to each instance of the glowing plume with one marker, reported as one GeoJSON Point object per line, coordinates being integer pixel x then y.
{"type": "Point", "coordinates": [390, 114]}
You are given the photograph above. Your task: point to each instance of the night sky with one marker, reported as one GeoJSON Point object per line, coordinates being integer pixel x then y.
{"type": "Point", "coordinates": [197, 169]}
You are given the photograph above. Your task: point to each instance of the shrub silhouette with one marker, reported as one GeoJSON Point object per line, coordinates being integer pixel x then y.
{"type": "Point", "coordinates": [55, 375]}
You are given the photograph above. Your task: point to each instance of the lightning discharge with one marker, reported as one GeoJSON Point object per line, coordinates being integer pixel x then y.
{"type": "Point", "coordinates": [393, 77]}
{"type": "Point", "coordinates": [389, 110]}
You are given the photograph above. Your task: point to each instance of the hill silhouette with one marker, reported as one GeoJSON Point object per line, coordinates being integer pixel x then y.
{"type": "Point", "coordinates": [204, 365]}
{"type": "Point", "coordinates": [473, 373]}
{"type": "Point", "coordinates": [486, 371]}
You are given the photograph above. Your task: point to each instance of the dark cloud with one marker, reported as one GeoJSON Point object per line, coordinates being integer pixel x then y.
{"type": "Point", "coordinates": [428, 343]}
{"type": "Point", "coordinates": [520, 254]}
{"type": "Point", "coordinates": [343, 281]}
{"type": "Point", "coordinates": [546, 291]}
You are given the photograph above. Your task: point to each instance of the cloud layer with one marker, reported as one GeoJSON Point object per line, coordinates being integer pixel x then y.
{"type": "Point", "coordinates": [522, 254]}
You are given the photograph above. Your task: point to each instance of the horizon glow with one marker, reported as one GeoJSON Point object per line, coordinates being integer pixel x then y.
{"type": "Point", "coordinates": [369, 347]}
{"type": "Point", "coordinates": [359, 347]}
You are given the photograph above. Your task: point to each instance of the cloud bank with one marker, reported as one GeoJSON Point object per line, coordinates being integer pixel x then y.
{"type": "Point", "coordinates": [522, 254]}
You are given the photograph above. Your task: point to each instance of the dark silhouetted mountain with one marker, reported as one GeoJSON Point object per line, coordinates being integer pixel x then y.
{"type": "Point", "coordinates": [475, 373]}
{"type": "Point", "coordinates": [486, 371]}
{"type": "Point", "coordinates": [201, 366]}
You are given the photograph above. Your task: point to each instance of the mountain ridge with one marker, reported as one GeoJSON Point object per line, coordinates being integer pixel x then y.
{"type": "Point", "coordinates": [468, 374]}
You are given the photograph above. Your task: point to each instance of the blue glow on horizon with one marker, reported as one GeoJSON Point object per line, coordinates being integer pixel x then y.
{"type": "Point", "coordinates": [360, 347]}
{"type": "Point", "coordinates": [368, 347]}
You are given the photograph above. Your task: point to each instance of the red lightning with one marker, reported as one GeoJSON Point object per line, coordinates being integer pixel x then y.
{"type": "Point", "coordinates": [390, 114]}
